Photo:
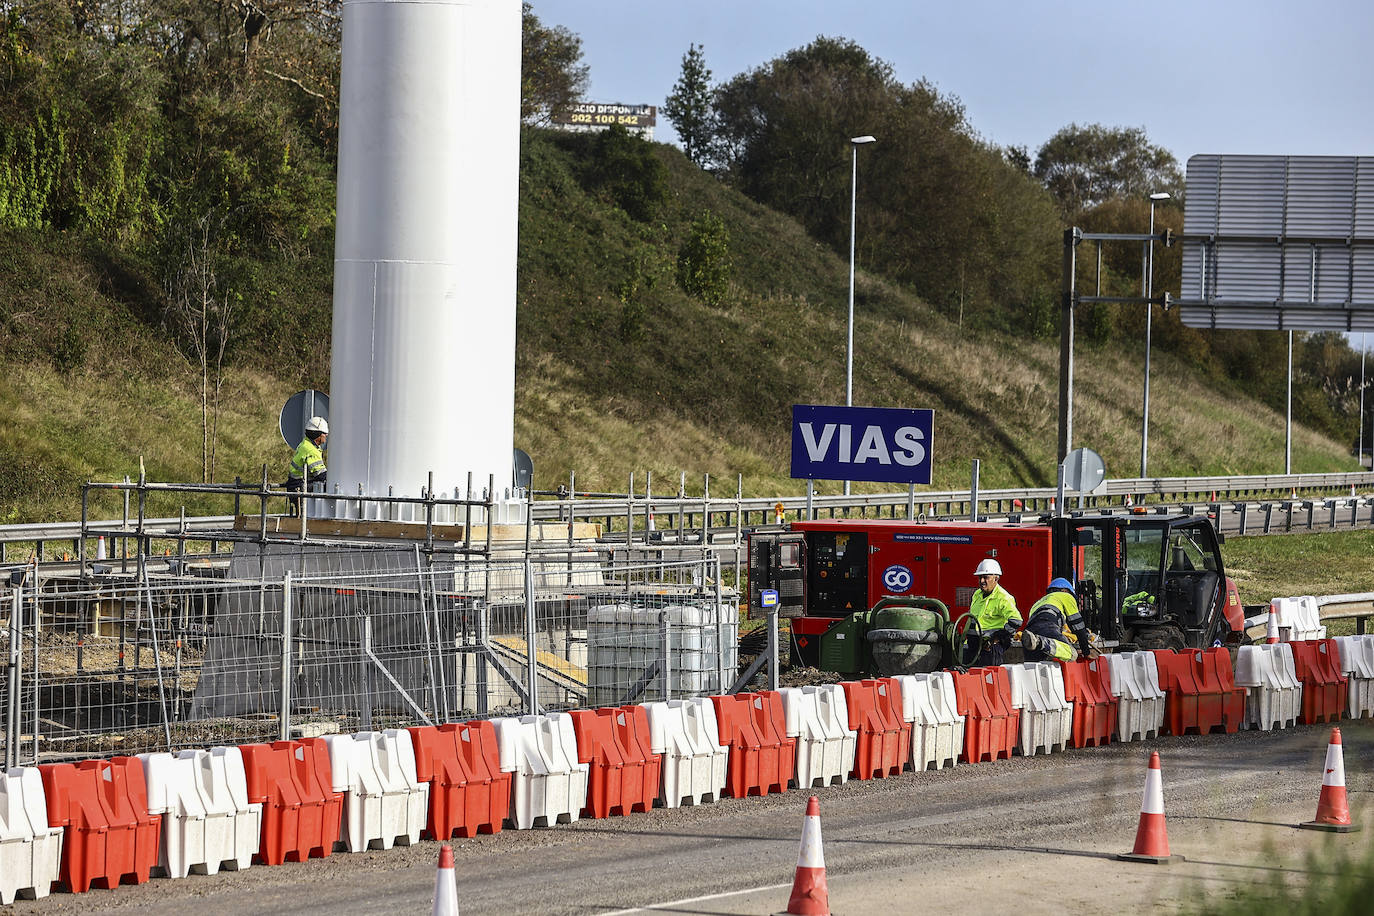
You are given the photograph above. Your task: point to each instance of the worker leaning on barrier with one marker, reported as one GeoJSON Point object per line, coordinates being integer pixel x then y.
{"type": "Point", "coordinates": [995, 610]}
{"type": "Point", "coordinates": [1054, 626]}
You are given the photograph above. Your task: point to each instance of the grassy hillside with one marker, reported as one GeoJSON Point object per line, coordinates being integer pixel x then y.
{"type": "Point", "coordinates": [618, 370]}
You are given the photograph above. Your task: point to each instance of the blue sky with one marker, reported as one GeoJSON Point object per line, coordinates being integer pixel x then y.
{"type": "Point", "coordinates": [1206, 76]}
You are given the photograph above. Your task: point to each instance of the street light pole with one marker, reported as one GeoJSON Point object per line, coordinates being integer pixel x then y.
{"type": "Point", "coordinates": [1149, 316]}
{"type": "Point", "coordinates": [854, 144]}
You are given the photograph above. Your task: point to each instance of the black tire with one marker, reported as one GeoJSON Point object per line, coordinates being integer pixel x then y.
{"type": "Point", "coordinates": [1159, 637]}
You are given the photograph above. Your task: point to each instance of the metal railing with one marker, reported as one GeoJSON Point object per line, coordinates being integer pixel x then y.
{"type": "Point", "coordinates": [296, 640]}
{"type": "Point", "coordinates": [671, 519]}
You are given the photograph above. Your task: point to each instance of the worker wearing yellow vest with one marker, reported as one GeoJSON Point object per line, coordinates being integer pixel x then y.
{"type": "Point", "coordinates": [995, 610]}
{"type": "Point", "coordinates": [1054, 627]}
{"type": "Point", "coordinates": [307, 463]}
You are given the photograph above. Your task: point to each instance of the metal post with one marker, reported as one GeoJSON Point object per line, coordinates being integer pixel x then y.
{"type": "Point", "coordinates": [531, 664]}
{"type": "Point", "coordinates": [365, 688]}
{"type": "Point", "coordinates": [911, 502]}
{"type": "Point", "coordinates": [1059, 493]}
{"type": "Point", "coordinates": [1288, 413]}
{"type": "Point", "coordinates": [15, 680]}
{"type": "Point", "coordinates": [1149, 316]}
{"type": "Point", "coordinates": [665, 658]}
{"type": "Point", "coordinates": [1069, 297]}
{"type": "Point", "coordinates": [284, 732]}
{"type": "Point", "coordinates": [973, 493]}
{"type": "Point", "coordinates": [810, 500]}
{"type": "Point", "coordinates": [719, 614]}
{"type": "Point", "coordinates": [1364, 342]}
{"type": "Point", "coordinates": [772, 648]}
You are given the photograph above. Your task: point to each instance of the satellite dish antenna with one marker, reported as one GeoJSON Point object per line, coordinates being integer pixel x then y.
{"type": "Point", "coordinates": [1084, 471]}
{"type": "Point", "coordinates": [524, 470]}
{"type": "Point", "coordinates": [299, 408]}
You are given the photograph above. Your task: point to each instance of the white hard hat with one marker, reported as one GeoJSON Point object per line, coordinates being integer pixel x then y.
{"type": "Point", "coordinates": [316, 425]}
{"type": "Point", "coordinates": [988, 568]}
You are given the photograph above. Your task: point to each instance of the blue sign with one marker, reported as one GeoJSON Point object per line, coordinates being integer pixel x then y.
{"type": "Point", "coordinates": [768, 597]}
{"type": "Point", "coordinates": [886, 444]}
{"type": "Point", "coordinates": [897, 579]}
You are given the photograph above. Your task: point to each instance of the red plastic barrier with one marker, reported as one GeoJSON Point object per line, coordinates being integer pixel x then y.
{"type": "Point", "coordinates": [110, 837]}
{"type": "Point", "coordinates": [1214, 672]}
{"type": "Point", "coordinates": [875, 749]}
{"type": "Point", "coordinates": [1324, 687]}
{"type": "Point", "coordinates": [643, 768]}
{"type": "Point", "coordinates": [300, 810]}
{"type": "Point", "coordinates": [1088, 686]}
{"type": "Point", "coordinates": [598, 748]}
{"type": "Point", "coordinates": [888, 701]}
{"type": "Point", "coordinates": [759, 763]}
{"type": "Point", "coordinates": [468, 793]}
{"type": "Point", "coordinates": [1185, 710]}
{"type": "Point", "coordinates": [991, 724]}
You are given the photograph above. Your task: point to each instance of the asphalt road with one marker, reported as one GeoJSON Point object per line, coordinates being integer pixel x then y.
{"type": "Point", "coordinates": [1037, 834]}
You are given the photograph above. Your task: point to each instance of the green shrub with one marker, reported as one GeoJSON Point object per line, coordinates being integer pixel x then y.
{"type": "Point", "coordinates": [703, 263]}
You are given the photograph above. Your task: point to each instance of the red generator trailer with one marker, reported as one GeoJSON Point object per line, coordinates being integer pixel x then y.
{"type": "Point", "coordinates": [1142, 581]}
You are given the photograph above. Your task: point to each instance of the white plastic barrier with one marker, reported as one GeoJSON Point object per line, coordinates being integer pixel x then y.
{"type": "Point", "coordinates": [207, 821]}
{"type": "Point", "coordinates": [1140, 701]}
{"type": "Point", "coordinates": [937, 729]}
{"type": "Point", "coordinates": [694, 760]}
{"type": "Point", "coordinates": [548, 785]}
{"type": "Point", "coordinates": [1046, 714]}
{"type": "Point", "coordinates": [1357, 663]}
{"type": "Point", "coordinates": [384, 803]}
{"type": "Point", "coordinates": [30, 850]}
{"type": "Point", "coordinates": [1274, 695]}
{"type": "Point", "coordinates": [1298, 618]}
{"type": "Point", "coordinates": [818, 717]}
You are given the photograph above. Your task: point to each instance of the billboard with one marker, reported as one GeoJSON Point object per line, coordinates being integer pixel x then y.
{"type": "Point", "coordinates": [886, 444]}
{"type": "Point", "coordinates": [593, 116]}
{"type": "Point", "coordinates": [1279, 243]}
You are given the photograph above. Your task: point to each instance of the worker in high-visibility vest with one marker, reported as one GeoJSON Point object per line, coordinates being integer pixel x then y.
{"type": "Point", "coordinates": [1054, 627]}
{"type": "Point", "coordinates": [307, 462]}
{"type": "Point", "coordinates": [995, 610]}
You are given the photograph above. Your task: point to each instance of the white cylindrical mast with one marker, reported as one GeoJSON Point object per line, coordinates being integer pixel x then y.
{"type": "Point", "coordinates": [423, 371]}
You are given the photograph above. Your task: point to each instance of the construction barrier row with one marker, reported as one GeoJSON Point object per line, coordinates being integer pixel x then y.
{"type": "Point", "coordinates": [105, 822]}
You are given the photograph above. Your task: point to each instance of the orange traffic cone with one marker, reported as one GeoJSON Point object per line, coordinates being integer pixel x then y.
{"type": "Point", "coordinates": [445, 885]}
{"type": "Point", "coordinates": [1271, 630]}
{"type": "Point", "coordinates": [651, 520]}
{"type": "Point", "coordinates": [779, 514]}
{"type": "Point", "coordinates": [100, 548]}
{"type": "Point", "coordinates": [1333, 812]}
{"type": "Point", "coordinates": [1151, 836]}
{"type": "Point", "coordinates": [809, 894]}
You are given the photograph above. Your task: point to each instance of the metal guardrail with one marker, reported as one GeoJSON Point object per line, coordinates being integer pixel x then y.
{"type": "Point", "coordinates": [1245, 504]}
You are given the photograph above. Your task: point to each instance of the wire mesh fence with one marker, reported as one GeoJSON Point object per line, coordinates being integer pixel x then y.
{"type": "Point", "coordinates": [290, 639]}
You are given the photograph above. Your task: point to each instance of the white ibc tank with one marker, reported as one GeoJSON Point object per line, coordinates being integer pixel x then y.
{"type": "Point", "coordinates": [624, 641]}
{"type": "Point", "coordinates": [423, 373]}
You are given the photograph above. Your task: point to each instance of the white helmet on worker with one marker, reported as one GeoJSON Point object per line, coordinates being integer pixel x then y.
{"type": "Point", "coordinates": [316, 425]}
{"type": "Point", "coordinates": [988, 568]}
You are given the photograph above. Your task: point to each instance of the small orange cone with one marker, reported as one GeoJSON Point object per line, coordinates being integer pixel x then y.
{"type": "Point", "coordinates": [779, 514]}
{"type": "Point", "coordinates": [651, 520]}
{"type": "Point", "coordinates": [445, 885]}
{"type": "Point", "coordinates": [1151, 836]}
{"type": "Point", "coordinates": [1271, 630]}
{"type": "Point", "coordinates": [1333, 811]}
{"type": "Point", "coordinates": [100, 548]}
{"type": "Point", "coordinates": [809, 894]}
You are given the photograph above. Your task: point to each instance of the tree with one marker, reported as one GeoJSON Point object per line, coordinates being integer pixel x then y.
{"type": "Point", "coordinates": [689, 106]}
{"type": "Point", "coordinates": [201, 313]}
{"type": "Point", "coordinates": [551, 73]}
{"type": "Point", "coordinates": [1085, 166]}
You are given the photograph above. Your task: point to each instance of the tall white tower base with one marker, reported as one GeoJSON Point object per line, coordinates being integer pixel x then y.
{"type": "Point", "coordinates": [423, 371]}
